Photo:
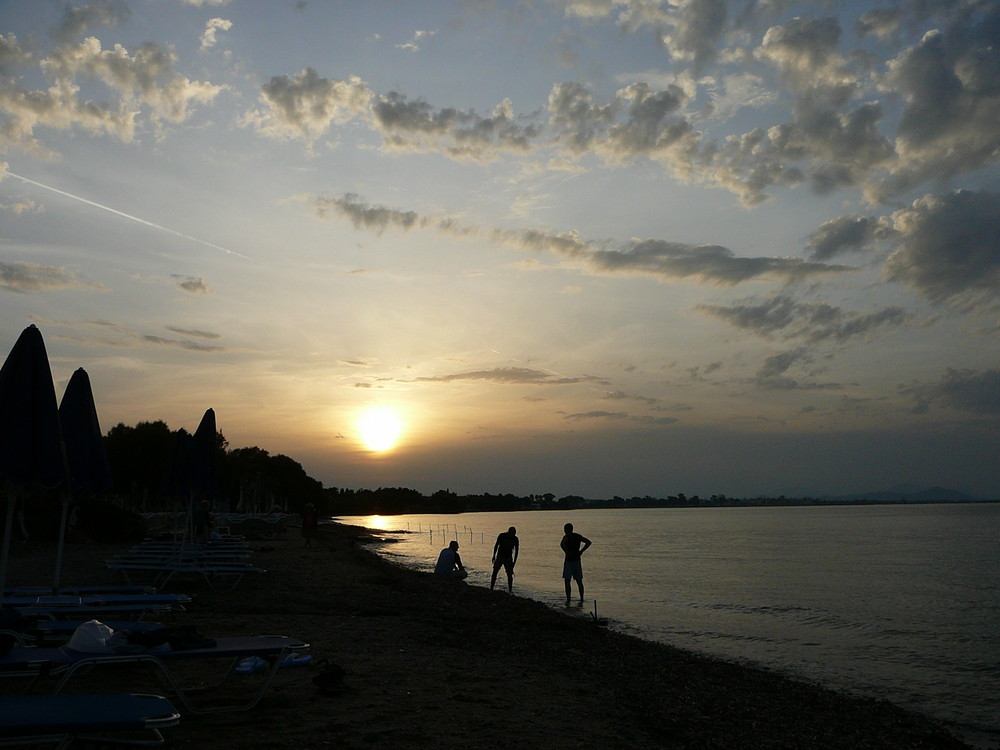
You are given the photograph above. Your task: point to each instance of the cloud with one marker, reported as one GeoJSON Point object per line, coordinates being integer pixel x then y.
{"type": "Point", "coordinates": [214, 25]}
{"type": "Point", "coordinates": [364, 216]}
{"type": "Point", "coordinates": [951, 121]}
{"type": "Point", "coordinates": [509, 376]}
{"type": "Point", "coordinates": [143, 81]}
{"type": "Point", "coordinates": [880, 22]}
{"type": "Point", "coordinates": [413, 125]}
{"type": "Point", "coordinates": [306, 105]}
{"type": "Point", "coordinates": [414, 44]}
{"type": "Point", "coordinates": [78, 18]}
{"type": "Point", "coordinates": [24, 206]}
{"type": "Point", "coordinates": [709, 263]}
{"type": "Point", "coordinates": [12, 54]}
{"type": "Point", "coordinates": [620, 416]}
{"type": "Point", "coordinates": [192, 346]}
{"type": "Point", "coordinates": [31, 277]}
{"type": "Point", "coordinates": [963, 390]}
{"type": "Point", "coordinates": [146, 78]}
{"type": "Point", "coordinates": [658, 259]}
{"type": "Point", "coordinates": [773, 373]}
{"type": "Point", "coordinates": [206, 3]}
{"type": "Point", "coordinates": [194, 332]}
{"type": "Point", "coordinates": [778, 364]}
{"type": "Point", "coordinates": [812, 322]}
{"type": "Point", "coordinates": [949, 245]}
{"type": "Point", "coordinates": [192, 284]}
{"type": "Point", "coordinates": [848, 234]}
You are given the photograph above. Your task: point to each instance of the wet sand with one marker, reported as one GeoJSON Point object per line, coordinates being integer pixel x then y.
{"type": "Point", "coordinates": [430, 664]}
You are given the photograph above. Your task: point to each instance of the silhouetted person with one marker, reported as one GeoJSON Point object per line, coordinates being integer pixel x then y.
{"type": "Point", "coordinates": [505, 553]}
{"type": "Point", "coordinates": [202, 520]}
{"type": "Point", "coordinates": [574, 545]}
{"type": "Point", "coordinates": [449, 563]}
{"type": "Point", "coordinates": [310, 523]}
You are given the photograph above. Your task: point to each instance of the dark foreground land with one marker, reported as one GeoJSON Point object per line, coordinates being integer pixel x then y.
{"type": "Point", "coordinates": [436, 665]}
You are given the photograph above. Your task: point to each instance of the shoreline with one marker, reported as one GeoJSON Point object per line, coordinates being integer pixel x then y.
{"type": "Point", "coordinates": [430, 663]}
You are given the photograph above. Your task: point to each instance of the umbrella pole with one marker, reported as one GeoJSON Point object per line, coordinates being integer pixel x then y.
{"type": "Point", "coordinates": [62, 542]}
{"type": "Point", "coordinates": [8, 528]}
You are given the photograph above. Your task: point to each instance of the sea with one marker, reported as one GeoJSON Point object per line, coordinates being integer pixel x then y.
{"type": "Point", "coordinates": [896, 602]}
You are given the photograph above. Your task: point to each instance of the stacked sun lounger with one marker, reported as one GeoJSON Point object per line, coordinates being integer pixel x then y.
{"type": "Point", "coordinates": [218, 563]}
{"type": "Point", "coordinates": [57, 667]}
{"type": "Point", "coordinates": [60, 719]}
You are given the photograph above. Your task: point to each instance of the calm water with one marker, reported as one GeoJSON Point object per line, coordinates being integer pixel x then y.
{"type": "Point", "coordinates": [898, 602]}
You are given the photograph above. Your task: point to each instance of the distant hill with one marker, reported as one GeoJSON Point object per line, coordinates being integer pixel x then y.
{"type": "Point", "coordinates": [906, 493]}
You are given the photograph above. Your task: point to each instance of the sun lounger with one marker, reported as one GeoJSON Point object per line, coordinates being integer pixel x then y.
{"type": "Point", "coordinates": [136, 611]}
{"type": "Point", "coordinates": [174, 601]}
{"type": "Point", "coordinates": [60, 631]}
{"type": "Point", "coordinates": [60, 719]}
{"type": "Point", "coordinates": [78, 590]}
{"type": "Point", "coordinates": [62, 663]}
{"type": "Point", "coordinates": [162, 573]}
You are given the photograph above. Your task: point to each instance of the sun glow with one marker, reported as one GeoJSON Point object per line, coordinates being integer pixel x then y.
{"type": "Point", "coordinates": [380, 428]}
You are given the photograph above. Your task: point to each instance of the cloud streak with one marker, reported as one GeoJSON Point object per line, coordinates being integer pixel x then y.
{"type": "Point", "coordinates": [658, 259]}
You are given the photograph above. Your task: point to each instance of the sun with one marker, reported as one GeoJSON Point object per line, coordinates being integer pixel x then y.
{"type": "Point", "coordinates": [380, 428]}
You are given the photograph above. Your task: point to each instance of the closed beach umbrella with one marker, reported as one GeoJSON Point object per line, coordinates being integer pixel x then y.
{"type": "Point", "coordinates": [193, 472]}
{"type": "Point", "coordinates": [89, 470]}
{"type": "Point", "coordinates": [31, 449]}
{"type": "Point", "coordinates": [203, 467]}
{"type": "Point", "coordinates": [86, 457]}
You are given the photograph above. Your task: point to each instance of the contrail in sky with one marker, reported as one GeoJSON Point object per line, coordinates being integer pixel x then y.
{"type": "Point", "coordinates": [127, 216]}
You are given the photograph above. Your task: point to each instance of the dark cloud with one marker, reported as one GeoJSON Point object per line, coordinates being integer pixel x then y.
{"type": "Point", "coordinates": [620, 416]}
{"type": "Point", "coordinates": [778, 364]}
{"type": "Point", "coordinates": [193, 346]}
{"type": "Point", "coordinates": [811, 321]}
{"type": "Point", "coordinates": [306, 105]}
{"type": "Point", "coordinates": [192, 284]}
{"type": "Point", "coordinates": [951, 84]}
{"type": "Point", "coordinates": [847, 234]}
{"type": "Point", "coordinates": [364, 216]}
{"type": "Point", "coordinates": [30, 277]}
{"type": "Point", "coordinates": [622, 396]}
{"type": "Point", "coordinates": [194, 332]}
{"type": "Point", "coordinates": [415, 125]}
{"type": "Point", "coordinates": [710, 263]}
{"type": "Point", "coordinates": [949, 245]}
{"type": "Point", "coordinates": [78, 18]}
{"type": "Point", "coordinates": [509, 375]}
{"type": "Point", "coordinates": [964, 390]}
{"type": "Point", "coordinates": [659, 259]}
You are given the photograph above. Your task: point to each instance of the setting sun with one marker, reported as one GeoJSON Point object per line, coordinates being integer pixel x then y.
{"type": "Point", "coordinates": [380, 428]}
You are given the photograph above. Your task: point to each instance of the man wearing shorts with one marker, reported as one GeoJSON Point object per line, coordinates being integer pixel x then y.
{"type": "Point", "coordinates": [574, 545]}
{"type": "Point", "coordinates": [505, 553]}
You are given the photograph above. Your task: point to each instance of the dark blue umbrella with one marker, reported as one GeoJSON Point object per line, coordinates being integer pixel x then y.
{"type": "Point", "coordinates": [89, 470]}
{"type": "Point", "coordinates": [86, 457]}
{"type": "Point", "coordinates": [31, 449]}
{"type": "Point", "coordinates": [203, 469]}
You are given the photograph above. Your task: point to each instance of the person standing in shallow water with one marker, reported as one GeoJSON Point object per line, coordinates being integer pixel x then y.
{"type": "Point", "coordinates": [505, 553]}
{"type": "Point", "coordinates": [574, 545]}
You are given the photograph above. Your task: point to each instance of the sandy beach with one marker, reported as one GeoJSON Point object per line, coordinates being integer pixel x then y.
{"type": "Point", "coordinates": [430, 664]}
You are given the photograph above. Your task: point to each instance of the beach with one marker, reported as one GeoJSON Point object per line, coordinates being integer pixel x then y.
{"type": "Point", "coordinates": [429, 663]}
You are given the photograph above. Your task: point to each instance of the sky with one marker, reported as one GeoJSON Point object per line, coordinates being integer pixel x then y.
{"type": "Point", "coordinates": [587, 247]}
